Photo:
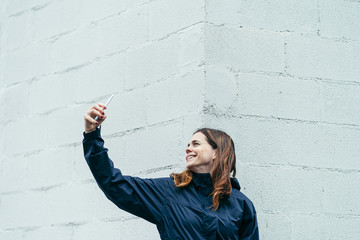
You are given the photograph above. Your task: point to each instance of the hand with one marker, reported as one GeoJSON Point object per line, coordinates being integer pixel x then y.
{"type": "Point", "coordinates": [95, 111]}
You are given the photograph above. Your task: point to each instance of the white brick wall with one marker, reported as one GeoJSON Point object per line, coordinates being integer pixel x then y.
{"type": "Point", "coordinates": [293, 110]}
{"type": "Point", "coordinates": [281, 77]}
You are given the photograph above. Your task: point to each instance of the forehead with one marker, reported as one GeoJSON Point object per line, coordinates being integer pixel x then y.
{"type": "Point", "coordinates": [198, 136]}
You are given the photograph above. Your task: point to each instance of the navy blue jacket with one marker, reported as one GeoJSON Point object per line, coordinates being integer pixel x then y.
{"type": "Point", "coordinates": [179, 213]}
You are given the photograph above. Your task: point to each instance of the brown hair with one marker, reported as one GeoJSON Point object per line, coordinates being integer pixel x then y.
{"type": "Point", "coordinates": [224, 164]}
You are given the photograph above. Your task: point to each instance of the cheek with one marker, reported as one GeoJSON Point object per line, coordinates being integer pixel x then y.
{"type": "Point", "coordinates": [207, 155]}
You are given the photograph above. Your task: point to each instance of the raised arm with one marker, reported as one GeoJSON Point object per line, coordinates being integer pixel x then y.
{"type": "Point", "coordinates": [141, 197]}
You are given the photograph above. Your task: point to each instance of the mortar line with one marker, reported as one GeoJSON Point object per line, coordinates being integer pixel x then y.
{"type": "Point", "coordinates": [210, 112]}
{"type": "Point", "coordinates": [319, 214]}
{"type": "Point", "coordinates": [283, 32]}
{"type": "Point", "coordinates": [300, 167]}
{"type": "Point", "coordinates": [237, 71]}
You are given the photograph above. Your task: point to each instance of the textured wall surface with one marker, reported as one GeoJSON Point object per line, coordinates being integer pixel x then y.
{"type": "Point", "coordinates": [281, 77]}
{"type": "Point", "coordinates": [292, 104]}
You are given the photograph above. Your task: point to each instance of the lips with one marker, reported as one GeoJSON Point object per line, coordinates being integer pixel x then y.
{"type": "Point", "coordinates": [188, 157]}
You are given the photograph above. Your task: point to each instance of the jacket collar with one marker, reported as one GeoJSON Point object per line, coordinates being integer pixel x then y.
{"type": "Point", "coordinates": [235, 183]}
{"type": "Point", "coordinates": [204, 180]}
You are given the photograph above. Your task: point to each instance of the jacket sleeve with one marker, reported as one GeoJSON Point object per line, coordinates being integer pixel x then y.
{"type": "Point", "coordinates": [141, 197]}
{"type": "Point", "coordinates": [248, 229]}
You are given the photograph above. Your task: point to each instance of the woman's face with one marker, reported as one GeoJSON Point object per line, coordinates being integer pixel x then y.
{"type": "Point", "coordinates": [199, 154]}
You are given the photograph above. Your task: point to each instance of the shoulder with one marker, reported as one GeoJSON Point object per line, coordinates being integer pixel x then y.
{"type": "Point", "coordinates": [162, 182]}
{"type": "Point", "coordinates": [240, 198]}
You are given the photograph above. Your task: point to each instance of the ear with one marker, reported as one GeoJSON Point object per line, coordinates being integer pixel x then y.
{"type": "Point", "coordinates": [214, 154]}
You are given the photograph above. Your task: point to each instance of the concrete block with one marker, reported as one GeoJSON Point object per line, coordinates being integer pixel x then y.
{"type": "Point", "coordinates": [266, 95]}
{"type": "Point", "coordinates": [2, 10]}
{"type": "Point", "coordinates": [315, 226]}
{"type": "Point", "coordinates": [14, 102]}
{"type": "Point", "coordinates": [3, 157]}
{"type": "Point", "coordinates": [94, 11]}
{"type": "Point", "coordinates": [99, 79]}
{"type": "Point", "coordinates": [297, 99]}
{"type": "Point", "coordinates": [294, 16]}
{"type": "Point", "coordinates": [49, 232]}
{"type": "Point", "coordinates": [151, 148]}
{"type": "Point", "coordinates": [268, 223]}
{"type": "Point", "coordinates": [18, 6]}
{"type": "Point", "coordinates": [338, 227]}
{"type": "Point", "coordinates": [43, 131]}
{"type": "Point", "coordinates": [11, 234]}
{"type": "Point", "coordinates": [49, 168]}
{"type": "Point", "coordinates": [124, 31]}
{"type": "Point", "coordinates": [12, 176]}
{"type": "Point", "coordinates": [18, 137]}
{"type": "Point", "coordinates": [23, 210]}
{"type": "Point", "coordinates": [136, 229]}
{"type": "Point", "coordinates": [97, 40]}
{"type": "Point", "coordinates": [244, 49]}
{"type": "Point", "coordinates": [72, 118]}
{"type": "Point", "coordinates": [168, 17]}
{"type": "Point", "coordinates": [75, 49]}
{"type": "Point", "coordinates": [191, 123]}
{"type": "Point", "coordinates": [127, 111]}
{"type": "Point", "coordinates": [26, 63]}
{"type": "Point", "coordinates": [324, 227]}
{"type": "Point", "coordinates": [174, 98]}
{"type": "Point", "coordinates": [322, 58]}
{"type": "Point", "coordinates": [339, 19]}
{"type": "Point", "coordinates": [2, 80]}
{"type": "Point", "coordinates": [220, 87]}
{"type": "Point", "coordinates": [341, 103]}
{"type": "Point", "coordinates": [56, 18]}
{"type": "Point", "coordinates": [78, 203]}
{"type": "Point", "coordinates": [52, 92]}
{"type": "Point", "coordinates": [191, 49]}
{"type": "Point", "coordinates": [342, 197]}
{"type": "Point", "coordinates": [17, 31]}
{"type": "Point", "coordinates": [100, 230]}
{"type": "Point", "coordinates": [291, 142]}
{"type": "Point", "coordinates": [158, 60]}
{"type": "Point", "coordinates": [283, 188]}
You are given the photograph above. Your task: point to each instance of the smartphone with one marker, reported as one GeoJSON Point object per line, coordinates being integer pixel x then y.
{"type": "Point", "coordinates": [106, 104]}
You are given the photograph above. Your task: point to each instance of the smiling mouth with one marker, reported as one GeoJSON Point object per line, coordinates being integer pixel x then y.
{"type": "Point", "coordinates": [190, 157]}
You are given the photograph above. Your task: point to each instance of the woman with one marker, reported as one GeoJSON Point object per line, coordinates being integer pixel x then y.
{"type": "Point", "coordinates": [203, 202]}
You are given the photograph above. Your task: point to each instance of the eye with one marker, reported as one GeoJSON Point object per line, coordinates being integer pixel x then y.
{"type": "Point", "coordinates": [196, 143]}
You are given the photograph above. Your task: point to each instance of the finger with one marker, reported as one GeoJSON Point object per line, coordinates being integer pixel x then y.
{"type": "Point", "coordinates": [101, 105]}
{"type": "Point", "coordinates": [90, 119]}
{"type": "Point", "coordinates": [95, 113]}
{"type": "Point", "coordinates": [99, 109]}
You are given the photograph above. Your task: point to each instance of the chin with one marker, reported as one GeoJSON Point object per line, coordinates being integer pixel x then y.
{"type": "Point", "coordinates": [189, 167]}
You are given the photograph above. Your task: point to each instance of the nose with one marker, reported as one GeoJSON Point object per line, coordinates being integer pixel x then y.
{"type": "Point", "coordinates": [188, 149]}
